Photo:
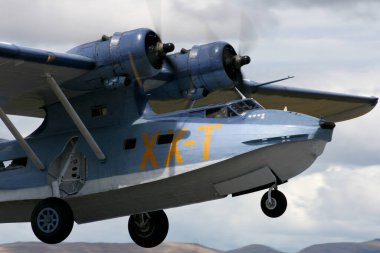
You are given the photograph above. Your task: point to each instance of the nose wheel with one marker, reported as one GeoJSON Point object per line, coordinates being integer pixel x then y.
{"type": "Point", "coordinates": [273, 203]}
{"type": "Point", "coordinates": [148, 229]}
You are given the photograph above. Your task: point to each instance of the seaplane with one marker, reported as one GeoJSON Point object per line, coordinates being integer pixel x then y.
{"type": "Point", "coordinates": [132, 128]}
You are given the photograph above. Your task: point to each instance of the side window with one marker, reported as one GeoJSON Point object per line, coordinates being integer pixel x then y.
{"type": "Point", "coordinates": [238, 107]}
{"type": "Point", "coordinates": [130, 143]}
{"type": "Point", "coordinates": [100, 110]}
{"type": "Point", "coordinates": [165, 139]}
{"type": "Point", "coordinates": [220, 112]}
{"type": "Point", "coordinates": [252, 105]}
{"type": "Point", "coordinates": [231, 113]}
{"type": "Point", "coordinates": [17, 163]}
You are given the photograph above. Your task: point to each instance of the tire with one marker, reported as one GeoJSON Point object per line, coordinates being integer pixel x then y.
{"type": "Point", "coordinates": [153, 232]}
{"type": "Point", "coordinates": [52, 220]}
{"type": "Point", "coordinates": [277, 207]}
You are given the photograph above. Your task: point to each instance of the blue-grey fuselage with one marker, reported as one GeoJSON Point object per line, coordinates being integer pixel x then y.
{"type": "Point", "coordinates": [155, 161]}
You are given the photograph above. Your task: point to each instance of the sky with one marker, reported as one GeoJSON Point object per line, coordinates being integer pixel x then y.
{"type": "Point", "coordinates": [330, 45]}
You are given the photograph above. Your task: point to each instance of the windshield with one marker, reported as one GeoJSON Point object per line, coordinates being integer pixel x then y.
{"type": "Point", "coordinates": [232, 110]}
{"type": "Point", "coordinates": [220, 112]}
{"type": "Point", "coordinates": [242, 107]}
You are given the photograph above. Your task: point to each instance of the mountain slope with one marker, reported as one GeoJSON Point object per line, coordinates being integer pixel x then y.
{"type": "Point", "coordinates": [36, 247]}
{"type": "Point", "coordinates": [171, 247]}
{"type": "Point", "coordinates": [255, 248]}
{"type": "Point", "coordinates": [344, 247]}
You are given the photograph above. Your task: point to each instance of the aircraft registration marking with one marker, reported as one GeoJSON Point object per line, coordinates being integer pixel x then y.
{"type": "Point", "coordinates": [189, 143]}
{"type": "Point", "coordinates": [148, 155]}
{"type": "Point", "coordinates": [174, 149]}
{"type": "Point", "coordinates": [206, 144]}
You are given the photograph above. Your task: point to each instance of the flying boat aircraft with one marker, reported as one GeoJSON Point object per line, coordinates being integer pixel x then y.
{"type": "Point", "coordinates": [131, 128]}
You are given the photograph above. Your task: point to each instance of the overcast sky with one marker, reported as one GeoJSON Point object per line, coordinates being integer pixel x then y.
{"type": "Point", "coordinates": [328, 45]}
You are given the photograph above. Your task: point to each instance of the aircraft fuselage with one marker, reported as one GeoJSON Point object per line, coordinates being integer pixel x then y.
{"type": "Point", "coordinates": [156, 161]}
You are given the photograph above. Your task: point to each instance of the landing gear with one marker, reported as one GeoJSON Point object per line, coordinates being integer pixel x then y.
{"type": "Point", "coordinates": [273, 203]}
{"type": "Point", "coordinates": [52, 220]}
{"type": "Point", "coordinates": [148, 229]}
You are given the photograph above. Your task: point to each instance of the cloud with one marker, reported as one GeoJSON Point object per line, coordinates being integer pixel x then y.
{"type": "Point", "coordinates": [365, 10]}
{"type": "Point", "coordinates": [322, 207]}
{"type": "Point", "coordinates": [337, 204]}
{"type": "Point", "coordinates": [328, 45]}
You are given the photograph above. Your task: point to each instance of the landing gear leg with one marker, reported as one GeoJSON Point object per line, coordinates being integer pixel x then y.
{"type": "Point", "coordinates": [148, 229]}
{"type": "Point", "coordinates": [52, 220]}
{"type": "Point", "coordinates": [273, 202]}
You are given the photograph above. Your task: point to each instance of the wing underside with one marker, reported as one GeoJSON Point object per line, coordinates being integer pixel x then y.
{"type": "Point", "coordinates": [329, 106]}
{"type": "Point", "coordinates": [23, 86]}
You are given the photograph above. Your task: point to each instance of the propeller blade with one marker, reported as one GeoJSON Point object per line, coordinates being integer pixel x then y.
{"type": "Point", "coordinates": [247, 34]}
{"type": "Point", "coordinates": [135, 71]}
{"type": "Point", "coordinates": [155, 10]}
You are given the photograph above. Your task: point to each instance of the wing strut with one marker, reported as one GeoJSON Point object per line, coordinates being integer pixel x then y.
{"type": "Point", "coordinates": [74, 116]}
{"type": "Point", "coordinates": [21, 141]}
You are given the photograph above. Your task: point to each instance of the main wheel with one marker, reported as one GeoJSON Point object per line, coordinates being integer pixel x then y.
{"type": "Point", "coordinates": [148, 229]}
{"type": "Point", "coordinates": [276, 206]}
{"type": "Point", "coordinates": [52, 220]}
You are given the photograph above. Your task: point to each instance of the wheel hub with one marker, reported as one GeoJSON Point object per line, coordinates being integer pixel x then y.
{"type": "Point", "coordinates": [47, 220]}
{"type": "Point", "coordinates": [144, 226]}
{"type": "Point", "coordinates": [271, 203]}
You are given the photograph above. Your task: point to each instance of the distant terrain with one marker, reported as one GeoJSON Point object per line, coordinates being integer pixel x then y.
{"type": "Point", "coordinates": [169, 247]}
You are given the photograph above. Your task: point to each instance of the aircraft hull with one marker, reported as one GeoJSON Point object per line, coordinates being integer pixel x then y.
{"type": "Point", "coordinates": [285, 160]}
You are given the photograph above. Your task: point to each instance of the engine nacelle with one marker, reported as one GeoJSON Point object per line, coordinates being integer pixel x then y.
{"type": "Point", "coordinates": [135, 54]}
{"type": "Point", "coordinates": [207, 66]}
{"type": "Point", "coordinates": [200, 70]}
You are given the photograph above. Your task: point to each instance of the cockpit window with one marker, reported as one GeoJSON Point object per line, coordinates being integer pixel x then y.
{"type": "Point", "coordinates": [238, 107]}
{"type": "Point", "coordinates": [243, 106]}
{"type": "Point", "coordinates": [220, 112]}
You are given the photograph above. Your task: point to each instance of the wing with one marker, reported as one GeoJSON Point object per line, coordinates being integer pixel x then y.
{"type": "Point", "coordinates": [23, 86]}
{"type": "Point", "coordinates": [330, 106]}
{"type": "Point", "coordinates": [327, 105]}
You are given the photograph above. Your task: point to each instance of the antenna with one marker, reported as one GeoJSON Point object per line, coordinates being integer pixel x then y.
{"type": "Point", "coordinates": [241, 94]}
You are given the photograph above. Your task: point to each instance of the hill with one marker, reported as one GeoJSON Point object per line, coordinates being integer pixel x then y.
{"type": "Point", "coordinates": [171, 247]}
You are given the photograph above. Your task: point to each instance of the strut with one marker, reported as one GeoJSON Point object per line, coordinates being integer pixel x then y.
{"type": "Point", "coordinates": [75, 117]}
{"type": "Point", "coordinates": [21, 141]}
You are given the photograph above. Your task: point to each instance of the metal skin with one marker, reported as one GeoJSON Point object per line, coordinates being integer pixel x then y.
{"type": "Point", "coordinates": [199, 71]}
{"type": "Point", "coordinates": [118, 56]}
{"type": "Point", "coordinates": [101, 152]}
{"type": "Point", "coordinates": [197, 165]}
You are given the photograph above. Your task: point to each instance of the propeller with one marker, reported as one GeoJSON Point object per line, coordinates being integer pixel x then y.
{"type": "Point", "coordinates": [247, 40]}
{"type": "Point", "coordinates": [248, 36]}
{"type": "Point", "coordinates": [155, 10]}
{"type": "Point", "coordinates": [233, 61]}
{"type": "Point", "coordinates": [157, 50]}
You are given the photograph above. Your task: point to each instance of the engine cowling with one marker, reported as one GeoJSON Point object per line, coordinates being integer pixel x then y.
{"type": "Point", "coordinates": [200, 70]}
{"type": "Point", "coordinates": [134, 54]}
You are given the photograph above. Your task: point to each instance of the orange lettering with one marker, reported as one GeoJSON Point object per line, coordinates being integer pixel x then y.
{"type": "Point", "coordinates": [206, 144]}
{"type": "Point", "coordinates": [148, 155]}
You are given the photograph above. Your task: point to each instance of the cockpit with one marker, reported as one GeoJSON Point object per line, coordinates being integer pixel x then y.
{"type": "Point", "coordinates": [225, 110]}
{"type": "Point", "coordinates": [232, 109]}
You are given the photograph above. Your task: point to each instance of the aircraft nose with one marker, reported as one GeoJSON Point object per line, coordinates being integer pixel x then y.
{"type": "Point", "coordinates": [326, 124]}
